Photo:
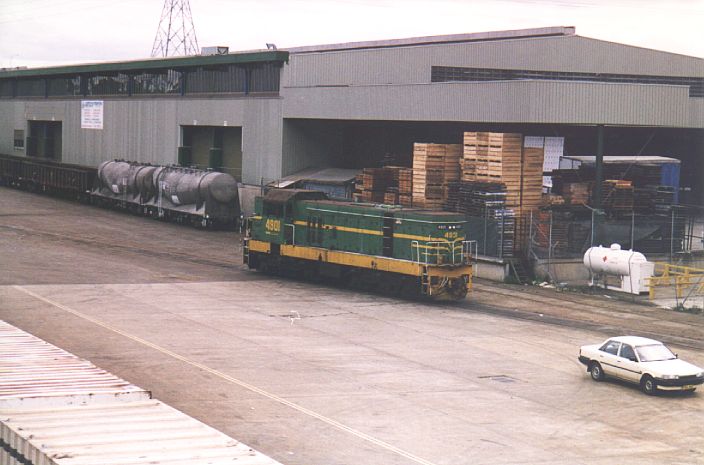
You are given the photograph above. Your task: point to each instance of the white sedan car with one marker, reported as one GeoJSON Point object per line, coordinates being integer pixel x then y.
{"type": "Point", "coordinates": [642, 361]}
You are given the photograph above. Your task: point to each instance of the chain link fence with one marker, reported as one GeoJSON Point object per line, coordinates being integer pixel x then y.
{"type": "Point", "coordinates": [569, 233]}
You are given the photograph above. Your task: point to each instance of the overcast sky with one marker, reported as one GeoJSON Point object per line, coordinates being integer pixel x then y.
{"type": "Point", "coordinates": [52, 32]}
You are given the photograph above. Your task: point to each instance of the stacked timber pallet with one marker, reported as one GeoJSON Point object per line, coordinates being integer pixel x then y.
{"type": "Point", "coordinates": [576, 193]}
{"type": "Point", "coordinates": [531, 189]}
{"type": "Point", "coordinates": [617, 195]}
{"type": "Point", "coordinates": [653, 198]}
{"type": "Point", "coordinates": [510, 159]}
{"type": "Point", "coordinates": [375, 183]}
{"type": "Point", "coordinates": [434, 167]}
{"type": "Point", "coordinates": [475, 198]}
{"type": "Point", "coordinates": [502, 157]}
{"type": "Point", "coordinates": [485, 200]}
{"type": "Point", "coordinates": [391, 185]}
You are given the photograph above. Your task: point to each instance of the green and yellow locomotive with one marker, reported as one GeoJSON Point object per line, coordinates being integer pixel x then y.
{"type": "Point", "coordinates": [406, 250]}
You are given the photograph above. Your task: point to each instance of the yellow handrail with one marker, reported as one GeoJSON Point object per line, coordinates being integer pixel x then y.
{"type": "Point", "coordinates": [678, 277]}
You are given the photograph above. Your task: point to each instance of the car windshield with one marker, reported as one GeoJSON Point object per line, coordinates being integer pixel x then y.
{"type": "Point", "coordinates": [654, 353]}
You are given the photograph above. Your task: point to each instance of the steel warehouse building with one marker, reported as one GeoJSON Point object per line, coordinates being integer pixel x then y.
{"type": "Point", "coordinates": [264, 115]}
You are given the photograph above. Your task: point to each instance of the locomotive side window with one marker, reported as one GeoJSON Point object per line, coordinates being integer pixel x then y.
{"type": "Point", "coordinates": [273, 209]}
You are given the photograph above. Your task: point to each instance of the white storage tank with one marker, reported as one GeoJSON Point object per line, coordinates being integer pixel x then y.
{"type": "Point", "coordinates": [630, 267]}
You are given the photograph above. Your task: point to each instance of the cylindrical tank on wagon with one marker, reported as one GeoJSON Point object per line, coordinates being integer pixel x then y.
{"type": "Point", "coordinates": [184, 186]}
{"type": "Point", "coordinates": [115, 175]}
{"type": "Point", "coordinates": [143, 180]}
{"type": "Point", "coordinates": [220, 186]}
{"type": "Point", "coordinates": [612, 260]}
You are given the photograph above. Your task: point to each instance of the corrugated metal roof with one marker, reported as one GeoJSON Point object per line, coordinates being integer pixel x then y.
{"type": "Point", "coordinates": [135, 433]}
{"type": "Point", "coordinates": [36, 373]}
{"type": "Point", "coordinates": [152, 64]}
{"type": "Point", "coordinates": [57, 409]}
{"type": "Point", "coordinates": [441, 39]}
{"type": "Point", "coordinates": [326, 175]}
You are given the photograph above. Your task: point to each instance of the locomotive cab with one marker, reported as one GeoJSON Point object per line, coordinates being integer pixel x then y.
{"type": "Point", "coordinates": [274, 214]}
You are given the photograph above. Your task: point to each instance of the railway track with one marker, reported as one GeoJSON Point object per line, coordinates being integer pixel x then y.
{"type": "Point", "coordinates": [125, 247]}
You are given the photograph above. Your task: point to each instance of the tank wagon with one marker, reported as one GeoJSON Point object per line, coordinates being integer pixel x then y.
{"type": "Point", "coordinates": [405, 250]}
{"type": "Point", "coordinates": [185, 195]}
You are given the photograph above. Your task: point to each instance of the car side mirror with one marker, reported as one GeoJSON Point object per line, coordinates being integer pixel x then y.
{"type": "Point", "coordinates": [633, 359]}
{"type": "Point", "coordinates": [677, 355]}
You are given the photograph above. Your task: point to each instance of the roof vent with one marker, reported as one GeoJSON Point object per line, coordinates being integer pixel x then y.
{"type": "Point", "coordinates": [216, 50]}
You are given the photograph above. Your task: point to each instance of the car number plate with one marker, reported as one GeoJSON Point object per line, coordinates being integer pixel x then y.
{"type": "Point", "coordinates": [688, 386]}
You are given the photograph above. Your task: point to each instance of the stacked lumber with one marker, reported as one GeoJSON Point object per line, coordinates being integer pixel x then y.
{"type": "Point", "coordinates": [501, 157]}
{"type": "Point", "coordinates": [617, 195]}
{"type": "Point", "coordinates": [391, 198]}
{"type": "Point", "coordinates": [575, 193]}
{"type": "Point", "coordinates": [653, 198]}
{"type": "Point", "coordinates": [474, 198]}
{"type": "Point", "coordinates": [434, 166]}
{"type": "Point", "coordinates": [392, 185]}
{"type": "Point", "coordinates": [372, 184]}
{"type": "Point", "coordinates": [405, 186]}
{"type": "Point", "coordinates": [531, 178]}
{"type": "Point", "coordinates": [508, 159]}
{"type": "Point", "coordinates": [553, 199]}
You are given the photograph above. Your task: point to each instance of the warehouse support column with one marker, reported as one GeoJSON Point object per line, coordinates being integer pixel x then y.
{"type": "Point", "coordinates": [598, 180]}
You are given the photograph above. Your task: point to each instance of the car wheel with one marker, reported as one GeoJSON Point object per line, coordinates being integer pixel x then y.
{"type": "Point", "coordinates": [596, 372]}
{"type": "Point", "coordinates": [648, 385]}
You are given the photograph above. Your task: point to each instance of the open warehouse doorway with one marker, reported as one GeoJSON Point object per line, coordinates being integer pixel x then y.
{"type": "Point", "coordinates": [311, 143]}
{"type": "Point", "coordinates": [212, 147]}
{"type": "Point", "coordinates": [44, 139]}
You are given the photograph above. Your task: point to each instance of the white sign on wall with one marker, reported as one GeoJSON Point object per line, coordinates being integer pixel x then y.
{"type": "Point", "coordinates": [91, 114]}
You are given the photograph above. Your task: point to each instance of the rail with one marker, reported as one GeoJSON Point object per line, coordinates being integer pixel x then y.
{"type": "Point", "coordinates": [677, 277]}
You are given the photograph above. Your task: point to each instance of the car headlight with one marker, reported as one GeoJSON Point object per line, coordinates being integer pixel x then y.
{"type": "Point", "coordinates": [670, 376]}
{"type": "Point", "coordinates": [700, 374]}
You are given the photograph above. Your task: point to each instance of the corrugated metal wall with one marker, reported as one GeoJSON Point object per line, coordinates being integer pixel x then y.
{"type": "Point", "coordinates": [148, 130]}
{"type": "Point", "coordinates": [508, 101]}
{"type": "Point", "coordinates": [412, 65]}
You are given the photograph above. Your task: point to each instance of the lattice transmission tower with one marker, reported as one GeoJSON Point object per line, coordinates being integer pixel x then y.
{"type": "Point", "coordinates": [176, 34]}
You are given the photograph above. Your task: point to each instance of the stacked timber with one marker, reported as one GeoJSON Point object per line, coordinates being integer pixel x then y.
{"type": "Point", "coordinates": [501, 157]}
{"type": "Point", "coordinates": [617, 195]}
{"type": "Point", "coordinates": [375, 183]}
{"type": "Point", "coordinates": [391, 197]}
{"type": "Point", "coordinates": [358, 187]}
{"type": "Point", "coordinates": [434, 167]}
{"type": "Point", "coordinates": [575, 193]}
{"type": "Point", "coordinates": [653, 198]}
{"type": "Point", "coordinates": [531, 177]}
{"type": "Point", "coordinates": [509, 159]}
{"type": "Point", "coordinates": [474, 198]}
{"type": "Point", "coordinates": [405, 186]}
{"type": "Point", "coordinates": [392, 185]}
